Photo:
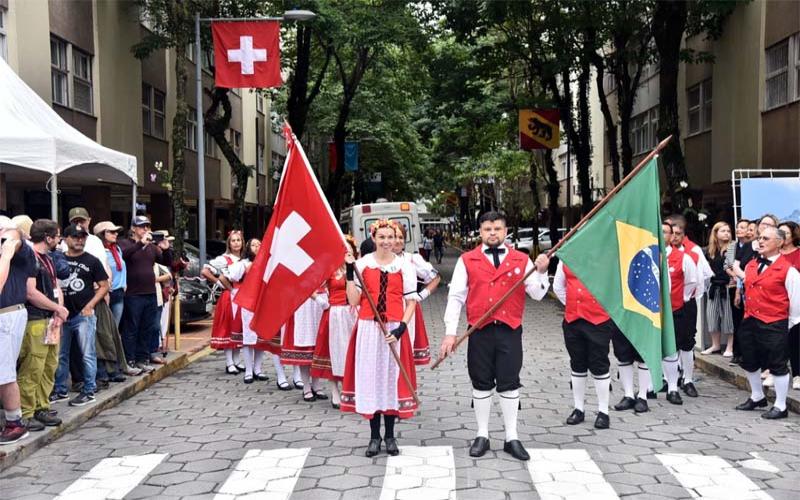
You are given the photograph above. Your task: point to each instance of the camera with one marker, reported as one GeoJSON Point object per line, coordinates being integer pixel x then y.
{"type": "Point", "coordinates": [158, 237]}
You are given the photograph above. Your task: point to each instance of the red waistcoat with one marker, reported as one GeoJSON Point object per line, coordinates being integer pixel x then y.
{"type": "Point", "coordinates": [581, 304]}
{"type": "Point", "coordinates": [486, 285]}
{"type": "Point", "coordinates": [337, 292]}
{"type": "Point", "coordinates": [765, 296]}
{"type": "Point", "coordinates": [677, 278]}
{"type": "Point", "coordinates": [394, 294]}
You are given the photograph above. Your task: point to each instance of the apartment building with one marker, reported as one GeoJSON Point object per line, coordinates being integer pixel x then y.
{"type": "Point", "coordinates": [740, 112]}
{"type": "Point", "coordinates": [76, 55]}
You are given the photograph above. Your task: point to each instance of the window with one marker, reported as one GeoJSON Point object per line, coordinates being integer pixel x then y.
{"type": "Point", "coordinates": [782, 73]}
{"type": "Point", "coordinates": [209, 145]}
{"type": "Point", "coordinates": [644, 131]}
{"type": "Point", "coordinates": [190, 51]}
{"type": "Point", "coordinates": [82, 80]}
{"type": "Point", "coordinates": [3, 34]}
{"type": "Point", "coordinates": [260, 102]}
{"type": "Point", "coordinates": [236, 142]}
{"type": "Point", "coordinates": [153, 111]}
{"type": "Point", "coordinates": [654, 127]}
{"type": "Point", "coordinates": [58, 66]}
{"type": "Point", "coordinates": [260, 159]}
{"type": "Point", "coordinates": [147, 105]}
{"type": "Point", "coordinates": [699, 101]}
{"type": "Point", "coordinates": [208, 60]}
{"type": "Point", "coordinates": [191, 129]}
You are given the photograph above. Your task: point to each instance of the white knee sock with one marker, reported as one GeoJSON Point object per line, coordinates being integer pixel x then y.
{"type": "Point", "coordinates": [306, 378]}
{"type": "Point", "coordinates": [247, 354]}
{"type": "Point", "coordinates": [602, 386]}
{"type": "Point", "coordinates": [670, 366]}
{"type": "Point", "coordinates": [482, 403]}
{"type": "Point", "coordinates": [258, 360]}
{"type": "Point", "coordinates": [687, 362]}
{"type": "Point", "coordinates": [626, 378]}
{"type": "Point", "coordinates": [333, 386]}
{"type": "Point", "coordinates": [781, 390]}
{"type": "Point", "coordinates": [756, 389]}
{"type": "Point", "coordinates": [644, 380]}
{"type": "Point", "coordinates": [237, 356]}
{"type": "Point", "coordinates": [578, 389]}
{"type": "Point", "coordinates": [297, 374]}
{"type": "Point", "coordinates": [316, 382]}
{"type": "Point", "coordinates": [509, 403]}
{"type": "Point", "coordinates": [229, 357]}
{"type": "Point", "coordinates": [276, 363]}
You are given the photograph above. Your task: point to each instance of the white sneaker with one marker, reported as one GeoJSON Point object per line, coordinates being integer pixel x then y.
{"type": "Point", "coordinates": [796, 383]}
{"type": "Point", "coordinates": [769, 381]}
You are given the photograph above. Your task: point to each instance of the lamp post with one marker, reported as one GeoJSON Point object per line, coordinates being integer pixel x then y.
{"type": "Point", "coordinates": [298, 15]}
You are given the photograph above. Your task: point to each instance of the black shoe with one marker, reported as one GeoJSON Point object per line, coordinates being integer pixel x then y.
{"type": "Point", "coordinates": [298, 384]}
{"type": "Point", "coordinates": [231, 370]}
{"type": "Point", "coordinates": [320, 395]}
{"type": "Point", "coordinates": [641, 406]}
{"type": "Point", "coordinates": [601, 422]}
{"type": "Point", "coordinates": [674, 397]}
{"type": "Point", "coordinates": [335, 406]}
{"type": "Point", "coordinates": [373, 448]}
{"type": "Point", "coordinates": [772, 414]}
{"type": "Point", "coordinates": [479, 447]}
{"type": "Point", "coordinates": [56, 397]}
{"type": "Point", "coordinates": [575, 417]}
{"type": "Point", "coordinates": [248, 379]}
{"type": "Point", "coordinates": [516, 450]}
{"type": "Point", "coordinates": [82, 399]}
{"type": "Point", "coordinates": [241, 368]}
{"type": "Point", "coordinates": [284, 386]}
{"type": "Point", "coordinates": [102, 385]}
{"type": "Point", "coordinates": [690, 390]}
{"type": "Point", "coordinates": [32, 424]}
{"type": "Point", "coordinates": [262, 377]}
{"type": "Point", "coordinates": [77, 387]}
{"type": "Point", "coordinates": [391, 446]}
{"type": "Point", "coordinates": [750, 405]}
{"type": "Point", "coordinates": [625, 404]}
{"type": "Point", "coordinates": [44, 417]}
{"type": "Point", "coordinates": [664, 387]}
{"type": "Point", "coordinates": [652, 395]}
{"type": "Point", "coordinates": [736, 360]}
{"type": "Point", "coordinates": [309, 398]}
{"type": "Point", "coordinates": [118, 377]}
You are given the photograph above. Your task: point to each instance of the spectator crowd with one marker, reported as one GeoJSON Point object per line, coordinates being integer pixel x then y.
{"type": "Point", "coordinates": [79, 309]}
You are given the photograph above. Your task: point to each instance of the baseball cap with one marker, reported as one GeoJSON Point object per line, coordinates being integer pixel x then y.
{"type": "Point", "coordinates": [106, 226]}
{"type": "Point", "coordinates": [23, 223]}
{"type": "Point", "coordinates": [140, 220]}
{"type": "Point", "coordinates": [78, 213]}
{"type": "Point", "coordinates": [74, 230]}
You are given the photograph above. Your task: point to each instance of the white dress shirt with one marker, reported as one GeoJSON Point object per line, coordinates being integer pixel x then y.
{"type": "Point", "coordinates": [536, 286]}
{"type": "Point", "coordinates": [691, 276]}
{"type": "Point", "coordinates": [792, 284]}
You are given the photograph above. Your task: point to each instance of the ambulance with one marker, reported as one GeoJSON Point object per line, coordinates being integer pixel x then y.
{"type": "Point", "coordinates": [356, 220]}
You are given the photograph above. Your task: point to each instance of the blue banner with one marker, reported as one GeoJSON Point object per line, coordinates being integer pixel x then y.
{"type": "Point", "coordinates": [350, 156]}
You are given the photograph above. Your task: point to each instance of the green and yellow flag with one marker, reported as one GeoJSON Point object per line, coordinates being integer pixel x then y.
{"type": "Point", "coordinates": [619, 256]}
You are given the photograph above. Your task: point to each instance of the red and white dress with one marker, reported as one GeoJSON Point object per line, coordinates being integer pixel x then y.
{"type": "Point", "coordinates": [223, 330]}
{"type": "Point", "coordinates": [334, 333]}
{"type": "Point", "coordinates": [416, 327]}
{"type": "Point", "coordinates": [299, 334]}
{"type": "Point", "coordinates": [372, 381]}
{"type": "Point", "coordinates": [242, 317]}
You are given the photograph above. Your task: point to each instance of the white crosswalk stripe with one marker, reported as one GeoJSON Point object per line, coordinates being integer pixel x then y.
{"type": "Point", "coordinates": [711, 477]}
{"type": "Point", "coordinates": [112, 478]}
{"type": "Point", "coordinates": [267, 474]}
{"type": "Point", "coordinates": [419, 472]}
{"type": "Point", "coordinates": [568, 475]}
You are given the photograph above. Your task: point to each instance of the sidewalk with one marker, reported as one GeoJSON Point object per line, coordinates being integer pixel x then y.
{"type": "Point", "coordinates": [718, 366]}
{"type": "Point", "coordinates": [194, 340]}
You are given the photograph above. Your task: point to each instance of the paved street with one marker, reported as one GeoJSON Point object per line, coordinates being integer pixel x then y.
{"type": "Point", "coordinates": [204, 434]}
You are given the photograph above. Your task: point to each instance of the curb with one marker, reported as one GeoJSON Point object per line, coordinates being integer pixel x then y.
{"type": "Point", "coordinates": [718, 366]}
{"type": "Point", "coordinates": [108, 398]}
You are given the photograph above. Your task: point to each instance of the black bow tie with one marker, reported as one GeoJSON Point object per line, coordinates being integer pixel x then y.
{"type": "Point", "coordinates": [495, 250]}
{"type": "Point", "coordinates": [763, 261]}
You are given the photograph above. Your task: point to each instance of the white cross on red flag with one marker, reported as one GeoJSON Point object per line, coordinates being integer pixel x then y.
{"type": "Point", "coordinates": [302, 247]}
{"type": "Point", "coordinates": [247, 54]}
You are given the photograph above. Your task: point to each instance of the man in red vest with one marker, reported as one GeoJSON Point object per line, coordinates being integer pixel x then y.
{"type": "Point", "coordinates": [587, 334]}
{"type": "Point", "coordinates": [771, 308]}
{"type": "Point", "coordinates": [494, 353]}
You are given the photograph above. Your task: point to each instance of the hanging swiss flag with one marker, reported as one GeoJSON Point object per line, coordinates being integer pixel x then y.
{"type": "Point", "coordinates": [302, 247]}
{"type": "Point", "coordinates": [247, 54]}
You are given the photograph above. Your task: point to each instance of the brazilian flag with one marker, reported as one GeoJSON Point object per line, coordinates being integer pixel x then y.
{"type": "Point", "coordinates": [619, 256]}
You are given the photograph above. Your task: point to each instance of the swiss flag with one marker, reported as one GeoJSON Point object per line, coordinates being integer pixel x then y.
{"type": "Point", "coordinates": [247, 54]}
{"type": "Point", "coordinates": [302, 247]}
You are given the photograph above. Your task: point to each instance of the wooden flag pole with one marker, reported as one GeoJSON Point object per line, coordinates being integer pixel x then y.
{"type": "Point", "coordinates": [385, 332]}
{"type": "Point", "coordinates": [550, 252]}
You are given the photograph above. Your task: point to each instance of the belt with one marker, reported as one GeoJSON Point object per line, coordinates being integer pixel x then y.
{"type": "Point", "coordinates": [13, 308]}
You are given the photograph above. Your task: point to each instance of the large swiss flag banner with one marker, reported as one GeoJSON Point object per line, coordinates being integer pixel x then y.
{"type": "Point", "coordinates": [302, 247]}
{"type": "Point", "coordinates": [247, 54]}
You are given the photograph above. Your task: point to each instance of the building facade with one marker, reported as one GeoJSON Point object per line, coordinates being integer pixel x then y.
{"type": "Point", "coordinates": [76, 55]}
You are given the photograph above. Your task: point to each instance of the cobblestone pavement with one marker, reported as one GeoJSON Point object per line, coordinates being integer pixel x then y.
{"type": "Point", "coordinates": [192, 432]}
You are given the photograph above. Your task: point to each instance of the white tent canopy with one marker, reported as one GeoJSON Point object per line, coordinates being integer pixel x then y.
{"type": "Point", "coordinates": [35, 137]}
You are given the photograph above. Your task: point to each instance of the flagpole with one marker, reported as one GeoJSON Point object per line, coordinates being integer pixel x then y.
{"type": "Point", "coordinates": [201, 160]}
{"type": "Point", "coordinates": [550, 252]}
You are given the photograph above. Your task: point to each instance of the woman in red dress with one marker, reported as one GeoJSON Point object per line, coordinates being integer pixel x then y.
{"type": "Point", "coordinates": [334, 333]}
{"type": "Point", "coordinates": [299, 336]}
{"type": "Point", "coordinates": [217, 271]}
{"type": "Point", "coordinates": [372, 381]}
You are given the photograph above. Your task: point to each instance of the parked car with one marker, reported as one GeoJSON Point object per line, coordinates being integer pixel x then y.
{"type": "Point", "coordinates": [522, 240]}
{"type": "Point", "coordinates": [195, 296]}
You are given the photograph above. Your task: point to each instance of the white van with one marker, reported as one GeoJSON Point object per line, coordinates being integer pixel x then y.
{"type": "Point", "coordinates": [357, 219]}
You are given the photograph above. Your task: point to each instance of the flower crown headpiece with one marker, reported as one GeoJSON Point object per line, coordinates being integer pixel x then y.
{"type": "Point", "coordinates": [380, 224]}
